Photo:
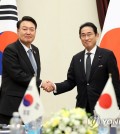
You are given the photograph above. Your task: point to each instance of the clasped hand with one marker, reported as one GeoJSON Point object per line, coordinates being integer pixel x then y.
{"type": "Point", "coordinates": [48, 86]}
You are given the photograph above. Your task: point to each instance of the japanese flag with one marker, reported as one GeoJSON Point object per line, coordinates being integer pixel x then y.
{"type": "Point", "coordinates": [31, 106]}
{"type": "Point", "coordinates": [106, 106]}
{"type": "Point", "coordinates": [110, 37]}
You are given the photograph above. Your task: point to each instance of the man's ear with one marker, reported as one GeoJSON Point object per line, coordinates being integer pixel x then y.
{"type": "Point", "coordinates": [97, 35]}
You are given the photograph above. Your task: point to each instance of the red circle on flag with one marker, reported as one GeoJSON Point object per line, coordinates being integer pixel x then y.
{"type": "Point", "coordinates": [105, 101]}
{"type": "Point", "coordinates": [111, 41]}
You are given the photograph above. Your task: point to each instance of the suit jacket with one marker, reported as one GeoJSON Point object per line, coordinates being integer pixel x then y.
{"type": "Point", "coordinates": [16, 75]}
{"type": "Point", "coordinates": [104, 62]}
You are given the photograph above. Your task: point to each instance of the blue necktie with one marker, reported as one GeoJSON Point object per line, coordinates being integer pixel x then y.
{"type": "Point", "coordinates": [32, 60]}
{"type": "Point", "coordinates": [88, 66]}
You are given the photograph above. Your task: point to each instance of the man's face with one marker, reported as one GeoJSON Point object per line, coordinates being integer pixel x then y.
{"type": "Point", "coordinates": [26, 32]}
{"type": "Point", "coordinates": [88, 37]}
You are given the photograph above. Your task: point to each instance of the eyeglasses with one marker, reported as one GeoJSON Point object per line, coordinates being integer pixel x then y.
{"type": "Point", "coordinates": [88, 35]}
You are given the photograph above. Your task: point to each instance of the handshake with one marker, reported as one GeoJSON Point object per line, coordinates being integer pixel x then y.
{"type": "Point", "coordinates": [48, 86]}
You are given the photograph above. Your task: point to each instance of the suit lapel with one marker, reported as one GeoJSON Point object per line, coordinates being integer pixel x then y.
{"type": "Point", "coordinates": [35, 55]}
{"type": "Point", "coordinates": [24, 56]}
{"type": "Point", "coordinates": [36, 58]}
{"type": "Point", "coordinates": [81, 64]}
{"type": "Point", "coordinates": [96, 62]}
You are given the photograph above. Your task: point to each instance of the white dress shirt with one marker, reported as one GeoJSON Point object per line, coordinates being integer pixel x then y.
{"type": "Point", "coordinates": [91, 56]}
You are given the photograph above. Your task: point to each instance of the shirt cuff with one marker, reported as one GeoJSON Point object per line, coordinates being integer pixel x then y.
{"type": "Point", "coordinates": [55, 90]}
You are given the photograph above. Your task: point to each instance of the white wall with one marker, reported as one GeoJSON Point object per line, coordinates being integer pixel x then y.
{"type": "Point", "coordinates": [58, 40]}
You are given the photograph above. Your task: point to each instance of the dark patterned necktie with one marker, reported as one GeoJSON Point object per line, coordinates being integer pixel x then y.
{"type": "Point", "coordinates": [88, 66]}
{"type": "Point", "coordinates": [32, 60]}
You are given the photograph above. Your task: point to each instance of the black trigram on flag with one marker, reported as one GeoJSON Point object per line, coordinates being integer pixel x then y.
{"type": "Point", "coordinates": [8, 10]}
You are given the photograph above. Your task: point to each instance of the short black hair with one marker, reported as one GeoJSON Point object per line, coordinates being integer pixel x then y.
{"type": "Point", "coordinates": [26, 18]}
{"type": "Point", "coordinates": [89, 24]}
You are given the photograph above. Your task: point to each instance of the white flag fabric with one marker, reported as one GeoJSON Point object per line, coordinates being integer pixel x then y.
{"type": "Point", "coordinates": [31, 107]}
{"type": "Point", "coordinates": [110, 37]}
{"type": "Point", "coordinates": [8, 20]}
{"type": "Point", "coordinates": [106, 106]}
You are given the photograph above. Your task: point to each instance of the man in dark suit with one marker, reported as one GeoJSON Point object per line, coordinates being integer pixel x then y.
{"type": "Point", "coordinates": [17, 68]}
{"type": "Point", "coordinates": [102, 63]}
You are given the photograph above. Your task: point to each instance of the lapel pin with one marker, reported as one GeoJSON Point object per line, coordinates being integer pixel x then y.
{"type": "Point", "coordinates": [34, 52]}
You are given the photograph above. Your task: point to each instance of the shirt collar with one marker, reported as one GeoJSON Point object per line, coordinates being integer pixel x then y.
{"type": "Point", "coordinates": [26, 48]}
{"type": "Point", "coordinates": [92, 51]}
